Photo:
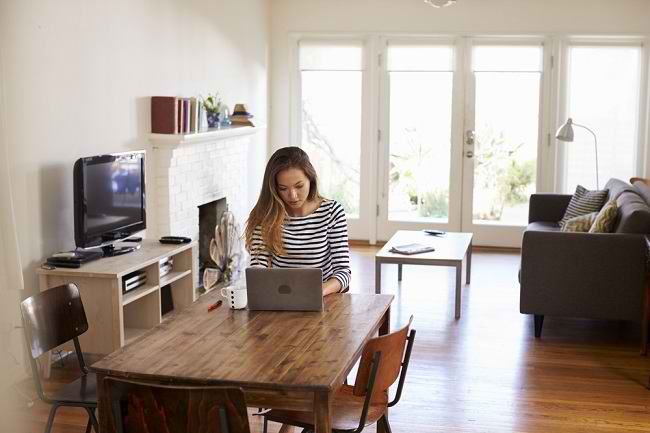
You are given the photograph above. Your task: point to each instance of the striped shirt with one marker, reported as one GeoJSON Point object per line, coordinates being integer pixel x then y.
{"type": "Point", "coordinates": [317, 240]}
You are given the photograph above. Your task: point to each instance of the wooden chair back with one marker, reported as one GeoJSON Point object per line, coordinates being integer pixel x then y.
{"type": "Point", "coordinates": [138, 407]}
{"type": "Point", "coordinates": [53, 317]}
{"type": "Point", "coordinates": [391, 347]}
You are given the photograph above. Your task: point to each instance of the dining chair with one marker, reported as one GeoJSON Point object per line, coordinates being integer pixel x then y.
{"type": "Point", "coordinates": [354, 407]}
{"type": "Point", "coordinates": [139, 407]}
{"type": "Point", "coordinates": [51, 318]}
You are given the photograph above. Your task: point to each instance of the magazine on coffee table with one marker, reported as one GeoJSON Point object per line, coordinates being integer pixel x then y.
{"type": "Point", "coordinates": [411, 249]}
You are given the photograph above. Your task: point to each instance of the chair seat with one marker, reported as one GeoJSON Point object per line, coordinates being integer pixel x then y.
{"type": "Point", "coordinates": [346, 412]}
{"type": "Point", "coordinates": [83, 390]}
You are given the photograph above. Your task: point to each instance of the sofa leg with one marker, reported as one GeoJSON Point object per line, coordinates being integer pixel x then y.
{"type": "Point", "coordinates": [539, 321]}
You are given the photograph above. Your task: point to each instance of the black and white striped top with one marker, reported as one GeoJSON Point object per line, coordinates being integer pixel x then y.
{"type": "Point", "coordinates": [317, 240]}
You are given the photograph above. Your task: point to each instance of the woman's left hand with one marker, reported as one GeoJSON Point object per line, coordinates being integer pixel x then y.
{"type": "Point", "coordinates": [333, 285]}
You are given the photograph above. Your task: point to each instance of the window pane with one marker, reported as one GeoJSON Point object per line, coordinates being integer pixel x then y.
{"type": "Point", "coordinates": [420, 58]}
{"type": "Point", "coordinates": [505, 153]}
{"type": "Point", "coordinates": [420, 138]}
{"type": "Point", "coordinates": [603, 95]}
{"type": "Point", "coordinates": [331, 133]}
{"type": "Point", "coordinates": [331, 55]}
{"type": "Point", "coordinates": [507, 58]}
{"type": "Point", "coordinates": [507, 133]}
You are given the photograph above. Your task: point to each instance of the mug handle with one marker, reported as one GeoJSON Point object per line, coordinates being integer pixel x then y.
{"type": "Point", "coordinates": [222, 294]}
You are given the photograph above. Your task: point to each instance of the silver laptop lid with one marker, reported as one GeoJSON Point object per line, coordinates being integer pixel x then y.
{"type": "Point", "coordinates": [285, 289]}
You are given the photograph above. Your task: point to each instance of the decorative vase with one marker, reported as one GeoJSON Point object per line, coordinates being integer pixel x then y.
{"type": "Point", "coordinates": [213, 119]}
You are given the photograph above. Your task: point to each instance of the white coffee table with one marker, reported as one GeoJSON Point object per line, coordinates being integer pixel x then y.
{"type": "Point", "coordinates": [451, 249]}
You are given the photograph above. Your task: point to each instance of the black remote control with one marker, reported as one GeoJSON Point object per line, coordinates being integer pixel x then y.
{"type": "Point", "coordinates": [136, 239]}
{"type": "Point", "coordinates": [174, 240]}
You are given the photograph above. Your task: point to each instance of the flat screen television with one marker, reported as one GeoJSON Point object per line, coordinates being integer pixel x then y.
{"type": "Point", "coordinates": [109, 199]}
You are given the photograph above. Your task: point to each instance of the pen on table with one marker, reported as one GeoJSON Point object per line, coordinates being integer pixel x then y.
{"type": "Point", "coordinates": [214, 306]}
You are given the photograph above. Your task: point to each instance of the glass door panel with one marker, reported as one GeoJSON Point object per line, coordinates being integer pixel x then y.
{"type": "Point", "coordinates": [501, 141]}
{"type": "Point", "coordinates": [333, 88]}
{"type": "Point", "coordinates": [420, 146]}
{"type": "Point", "coordinates": [505, 155]}
{"type": "Point", "coordinates": [331, 133]}
{"type": "Point", "coordinates": [418, 86]}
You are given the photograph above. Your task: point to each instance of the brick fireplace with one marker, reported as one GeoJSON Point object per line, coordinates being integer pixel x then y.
{"type": "Point", "coordinates": [193, 170]}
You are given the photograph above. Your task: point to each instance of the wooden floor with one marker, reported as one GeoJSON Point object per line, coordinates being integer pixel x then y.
{"type": "Point", "coordinates": [485, 372]}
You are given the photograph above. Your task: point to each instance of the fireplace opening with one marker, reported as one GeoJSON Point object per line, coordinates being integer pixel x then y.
{"type": "Point", "coordinates": [209, 216]}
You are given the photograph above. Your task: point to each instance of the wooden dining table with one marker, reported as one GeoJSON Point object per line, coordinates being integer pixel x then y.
{"type": "Point", "coordinates": [282, 360]}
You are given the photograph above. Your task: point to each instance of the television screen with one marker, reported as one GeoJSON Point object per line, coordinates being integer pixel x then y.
{"type": "Point", "coordinates": [109, 198]}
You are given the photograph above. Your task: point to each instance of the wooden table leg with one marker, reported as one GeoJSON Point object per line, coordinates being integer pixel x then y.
{"type": "Point", "coordinates": [469, 263]}
{"type": "Point", "coordinates": [385, 324]}
{"type": "Point", "coordinates": [383, 330]}
{"type": "Point", "coordinates": [377, 277]}
{"type": "Point", "coordinates": [103, 405]}
{"type": "Point", "coordinates": [399, 272]}
{"type": "Point", "coordinates": [459, 277]}
{"type": "Point", "coordinates": [322, 412]}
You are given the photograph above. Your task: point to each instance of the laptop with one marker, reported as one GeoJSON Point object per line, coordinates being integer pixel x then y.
{"type": "Point", "coordinates": [285, 289]}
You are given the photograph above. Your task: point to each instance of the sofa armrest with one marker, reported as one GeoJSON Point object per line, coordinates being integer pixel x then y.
{"type": "Point", "coordinates": [547, 207]}
{"type": "Point", "coordinates": [590, 275]}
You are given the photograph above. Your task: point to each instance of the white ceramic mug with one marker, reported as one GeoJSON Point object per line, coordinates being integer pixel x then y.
{"type": "Point", "coordinates": [236, 296]}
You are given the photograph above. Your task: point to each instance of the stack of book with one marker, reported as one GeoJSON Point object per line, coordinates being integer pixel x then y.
{"type": "Point", "coordinates": [173, 115]}
{"type": "Point", "coordinates": [240, 116]}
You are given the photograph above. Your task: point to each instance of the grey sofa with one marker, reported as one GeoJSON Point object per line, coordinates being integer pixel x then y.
{"type": "Point", "coordinates": [586, 275]}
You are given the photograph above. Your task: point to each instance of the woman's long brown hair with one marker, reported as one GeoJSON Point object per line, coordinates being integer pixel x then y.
{"type": "Point", "coordinates": [270, 213]}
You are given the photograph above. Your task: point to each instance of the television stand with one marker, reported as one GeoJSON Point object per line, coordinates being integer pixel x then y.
{"type": "Point", "coordinates": [110, 250]}
{"type": "Point", "coordinates": [116, 317]}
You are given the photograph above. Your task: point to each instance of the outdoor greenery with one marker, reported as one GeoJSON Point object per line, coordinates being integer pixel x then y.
{"type": "Point", "coordinates": [500, 174]}
{"type": "Point", "coordinates": [407, 170]}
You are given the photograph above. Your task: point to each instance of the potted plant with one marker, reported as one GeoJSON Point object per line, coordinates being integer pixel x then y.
{"type": "Point", "coordinates": [212, 106]}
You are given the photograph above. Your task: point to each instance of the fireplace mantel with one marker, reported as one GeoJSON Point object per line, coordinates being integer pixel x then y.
{"type": "Point", "coordinates": [175, 140]}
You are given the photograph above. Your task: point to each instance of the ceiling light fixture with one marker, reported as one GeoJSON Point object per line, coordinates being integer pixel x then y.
{"type": "Point", "coordinates": [440, 3]}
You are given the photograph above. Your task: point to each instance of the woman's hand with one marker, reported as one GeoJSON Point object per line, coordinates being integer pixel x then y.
{"type": "Point", "coordinates": [333, 285]}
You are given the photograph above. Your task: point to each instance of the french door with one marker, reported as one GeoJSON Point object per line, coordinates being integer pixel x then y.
{"type": "Point", "coordinates": [460, 124]}
{"type": "Point", "coordinates": [437, 133]}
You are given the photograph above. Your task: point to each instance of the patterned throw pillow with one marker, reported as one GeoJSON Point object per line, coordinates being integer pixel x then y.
{"type": "Point", "coordinates": [580, 223]}
{"type": "Point", "coordinates": [583, 202]}
{"type": "Point", "coordinates": [604, 222]}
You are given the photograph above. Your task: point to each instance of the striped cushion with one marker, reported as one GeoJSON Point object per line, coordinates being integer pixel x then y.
{"type": "Point", "coordinates": [583, 202]}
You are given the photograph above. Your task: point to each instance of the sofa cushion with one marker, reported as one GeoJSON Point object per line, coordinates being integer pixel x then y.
{"type": "Point", "coordinates": [581, 223]}
{"type": "Point", "coordinates": [616, 186]}
{"type": "Point", "coordinates": [633, 214]}
{"type": "Point", "coordinates": [606, 218]}
{"type": "Point", "coordinates": [584, 202]}
{"type": "Point", "coordinates": [643, 189]}
{"type": "Point", "coordinates": [543, 226]}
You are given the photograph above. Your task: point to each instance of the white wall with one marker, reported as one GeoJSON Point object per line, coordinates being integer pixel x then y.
{"type": "Point", "coordinates": [78, 75]}
{"type": "Point", "coordinates": [413, 16]}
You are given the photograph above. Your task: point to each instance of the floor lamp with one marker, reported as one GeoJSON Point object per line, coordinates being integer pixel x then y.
{"type": "Point", "coordinates": [565, 133]}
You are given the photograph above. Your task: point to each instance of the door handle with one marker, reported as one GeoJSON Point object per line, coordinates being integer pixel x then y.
{"type": "Point", "coordinates": [469, 154]}
{"type": "Point", "coordinates": [470, 136]}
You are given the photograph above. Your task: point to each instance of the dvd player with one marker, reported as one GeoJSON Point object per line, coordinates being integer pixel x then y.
{"type": "Point", "coordinates": [73, 259]}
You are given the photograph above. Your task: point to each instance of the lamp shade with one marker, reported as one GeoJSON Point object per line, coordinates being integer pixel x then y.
{"type": "Point", "coordinates": [565, 132]}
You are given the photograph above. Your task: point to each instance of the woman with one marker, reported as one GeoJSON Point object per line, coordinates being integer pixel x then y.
{"type": "Point", "coordinates": [292, 226]}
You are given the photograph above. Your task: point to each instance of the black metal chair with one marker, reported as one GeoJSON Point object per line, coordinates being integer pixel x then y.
{"type": "Point", "coordinates": [384, 359]}
{"type": "Point", "coordinates": [139, 407]}
{"type": "Point", "coordinates": [50, 319]}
